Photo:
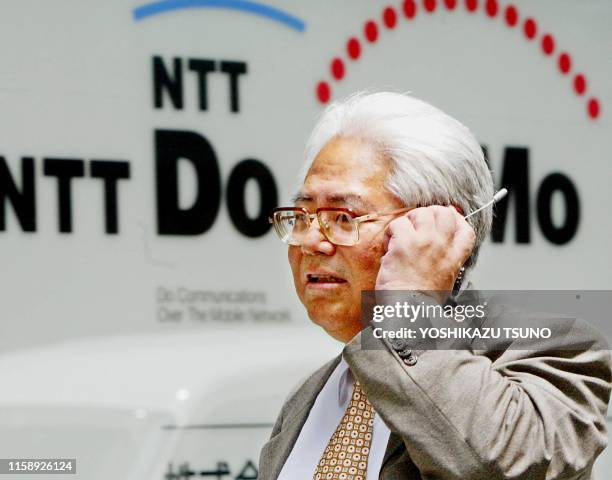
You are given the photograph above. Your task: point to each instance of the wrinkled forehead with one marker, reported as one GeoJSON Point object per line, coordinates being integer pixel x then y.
{"type": "Point", "coordinates": [348, 155]}
{"type": "Point", "coordinates": [346, 171]}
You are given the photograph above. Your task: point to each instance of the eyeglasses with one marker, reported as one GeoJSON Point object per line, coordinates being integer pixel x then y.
{"type": "Point", "coordinates": [339, 225]}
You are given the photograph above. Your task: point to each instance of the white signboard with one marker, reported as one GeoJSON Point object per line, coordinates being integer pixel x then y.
{"type": "Point", "coordinates": [143, 143]}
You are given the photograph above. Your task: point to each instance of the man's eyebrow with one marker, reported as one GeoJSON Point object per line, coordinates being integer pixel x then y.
{"type": "Point", "coordinates": [300, 197]}
{"type": "Point", "coordinates": [351, 199]}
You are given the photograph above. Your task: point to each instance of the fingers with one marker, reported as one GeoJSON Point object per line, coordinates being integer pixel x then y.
{"type": "Point", "coordinates": [437, 220]}
{"type": "Point", "coordinates": [446, 221]}
{"type": "Point", "coordinates": [424, 249]}
{"type": "Point", "coordinates": [443, 225]}
{"type": "Point", "coordinates": [400, 227]}
{"type": "Point", "coordinates": [423, 219]}
{"type": "Point", "coordinates": [464, 238]}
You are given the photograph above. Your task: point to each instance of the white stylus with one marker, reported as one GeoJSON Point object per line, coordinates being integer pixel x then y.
{"type": "Point", "coordinates": [496, 198]}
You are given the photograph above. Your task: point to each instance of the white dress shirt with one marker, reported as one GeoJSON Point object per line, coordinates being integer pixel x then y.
{"type": "Point", "coordinates": [322, 421]}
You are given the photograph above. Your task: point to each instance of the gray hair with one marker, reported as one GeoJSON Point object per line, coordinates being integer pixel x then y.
{"type": "Point", "coordinates": [435, 159]}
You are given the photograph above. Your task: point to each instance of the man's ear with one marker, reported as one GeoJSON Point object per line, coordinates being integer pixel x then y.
{"type": "Point", "coordinates": [459, 209]}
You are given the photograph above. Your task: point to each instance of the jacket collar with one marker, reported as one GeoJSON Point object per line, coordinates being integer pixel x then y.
{"type": "Point", "coordinates": [275, 453]}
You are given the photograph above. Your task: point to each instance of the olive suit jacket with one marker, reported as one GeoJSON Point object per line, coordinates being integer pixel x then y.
{"type": "Point", "coordinates": [464, 414]}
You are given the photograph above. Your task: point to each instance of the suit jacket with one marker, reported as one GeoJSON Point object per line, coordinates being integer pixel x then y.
{"type": "Point", "coordinates": [490, 414]}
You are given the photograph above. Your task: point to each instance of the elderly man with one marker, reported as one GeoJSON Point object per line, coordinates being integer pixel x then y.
{"type": "Point", "coordinates": [386, 184]}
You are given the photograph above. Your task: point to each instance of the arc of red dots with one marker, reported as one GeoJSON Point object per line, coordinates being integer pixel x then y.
{"type": "Point", "coordinates": [409, 9]}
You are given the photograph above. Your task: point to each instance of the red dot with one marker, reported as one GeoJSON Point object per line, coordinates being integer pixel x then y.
{"type": "Point", "coordinates": [580, 84]}
{"type": "Point", "coordinates": [548, 44]}
{"type": "Point", "coordinates": [353, 48]}
{"type": "Point", "coordinates": [390, 17]}
{"type": "Point", "coordinates": [371, 31]}
{"type": "Point", "coordinates": [593, 107]}
{"type": "Point", "coordinates": [409, 8]}
{"type": "Point", "coordinates": [450, 4]}
{"type": "Point", "coordinates": [471, 5]}
{"type": "Point", "coordinates": [530, 28]}
{"type": "Point", "coordinates": [492, 8]}
{"type": "Point", "coordinates": [430, 5]}
{"type": "Point", "coordinates": [511, 15]}
{"type": "Point", "coordinates": [565, 63]}
{"type": "Point", "coordinates": [337, 68]}
{"type": "Point", "coordinates": [323, 92]}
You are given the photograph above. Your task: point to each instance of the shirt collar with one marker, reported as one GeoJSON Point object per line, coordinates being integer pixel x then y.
{"type": "Point", "coordinates": [345, 384]}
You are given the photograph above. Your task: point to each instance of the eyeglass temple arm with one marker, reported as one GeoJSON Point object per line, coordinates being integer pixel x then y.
{"type": "Point", "coordinates": [374, 216]}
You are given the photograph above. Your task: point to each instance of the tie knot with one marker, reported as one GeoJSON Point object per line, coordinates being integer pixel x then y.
{"type": "Point", "coordinates": [359, 399]}
{"type": "Point", "coordinates": [357, 390]}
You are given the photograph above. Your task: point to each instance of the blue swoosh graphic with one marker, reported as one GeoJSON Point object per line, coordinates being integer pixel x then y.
{"type": "Point", "coordinates": [163, 6]}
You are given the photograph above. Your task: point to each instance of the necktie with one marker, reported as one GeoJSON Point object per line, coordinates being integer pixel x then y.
{"type": "Point", "coordinates": [346, 454]}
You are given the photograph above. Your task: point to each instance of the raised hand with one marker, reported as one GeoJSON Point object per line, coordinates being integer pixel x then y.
{"type": "Point", "coordinates": [424, 250]}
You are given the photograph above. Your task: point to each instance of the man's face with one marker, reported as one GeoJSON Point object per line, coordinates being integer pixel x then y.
{"type": "Point", "coordinates": [328, 278]}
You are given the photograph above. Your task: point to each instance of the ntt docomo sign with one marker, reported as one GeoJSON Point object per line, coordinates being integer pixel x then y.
{"type": "Point", "coordinates": [152, 167]}
{"type": "Point", "coordinates": [171, 146]}
{"type": "Point", "coordinates": [530, 197]}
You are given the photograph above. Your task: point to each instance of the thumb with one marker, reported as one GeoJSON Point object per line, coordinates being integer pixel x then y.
{"type": "Point", "coordinates": [465, 238]}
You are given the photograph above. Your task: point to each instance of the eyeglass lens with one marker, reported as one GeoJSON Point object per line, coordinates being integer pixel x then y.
{"type": "Point", "coordinates": [338, 226]}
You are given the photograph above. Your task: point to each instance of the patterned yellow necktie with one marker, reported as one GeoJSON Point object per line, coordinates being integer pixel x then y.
{"type": "Point", "coordinates": [346, 454]}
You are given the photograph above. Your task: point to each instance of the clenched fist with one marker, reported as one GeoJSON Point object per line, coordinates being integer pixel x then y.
{"type": "Point", "coordinates": [424, 250]}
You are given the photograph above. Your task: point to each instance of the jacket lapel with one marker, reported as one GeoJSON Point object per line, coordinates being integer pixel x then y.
{"type": "Point", "coordinates": [275, 453]}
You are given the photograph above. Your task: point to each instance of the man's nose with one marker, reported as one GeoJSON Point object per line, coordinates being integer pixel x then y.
{"type": "Point", "coordinates": [315, 242]}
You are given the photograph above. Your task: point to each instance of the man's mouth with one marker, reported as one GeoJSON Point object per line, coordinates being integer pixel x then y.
{"type": "Point", "coordinates": [314, 278]}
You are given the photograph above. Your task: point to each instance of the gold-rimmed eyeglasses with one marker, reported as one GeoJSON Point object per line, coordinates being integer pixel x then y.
{"type": "Point", "coordinates": [339, 225]}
